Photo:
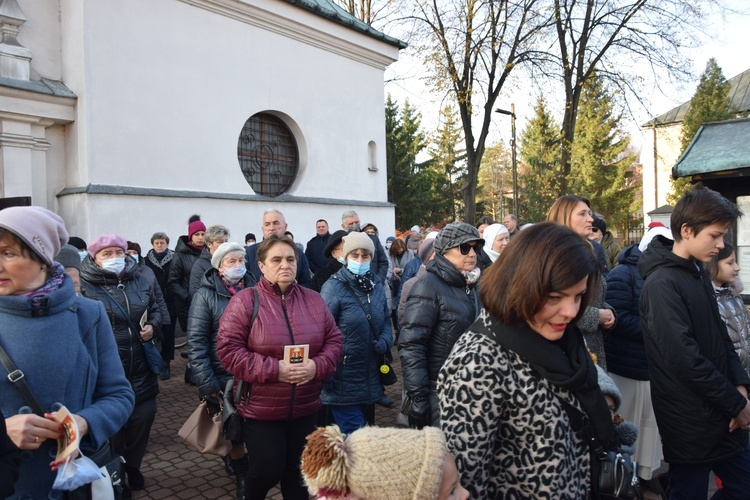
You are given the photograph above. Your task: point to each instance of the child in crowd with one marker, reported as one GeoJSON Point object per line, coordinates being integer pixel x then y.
{"type": "Point", "coordinates": [378, 463]}
{"type": "Point", "coordinates": [723, 270]}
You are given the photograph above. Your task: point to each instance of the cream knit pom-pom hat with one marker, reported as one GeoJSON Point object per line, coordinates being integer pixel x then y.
{"type": "Point", "coordinates": [375, 463]}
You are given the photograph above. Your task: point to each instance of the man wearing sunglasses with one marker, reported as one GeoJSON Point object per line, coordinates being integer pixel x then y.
{"type": "Point", "coordinates": [441, 305]}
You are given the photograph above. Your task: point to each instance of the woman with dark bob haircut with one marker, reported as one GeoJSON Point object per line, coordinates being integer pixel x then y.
{"type": "Point", "coordinates": [504, 388]}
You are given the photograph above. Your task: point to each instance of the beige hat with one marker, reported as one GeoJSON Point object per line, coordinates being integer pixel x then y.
{"type": "Point", "coordinates": [356, 240]}
{"type": "Point", "coordinates": [376, 463]}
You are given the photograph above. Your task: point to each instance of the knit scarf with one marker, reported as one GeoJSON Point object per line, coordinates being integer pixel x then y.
{"type": "Point", "coordinates": [233, 288]}
{"type": "Point", "coordinates": [54, 281]}
{"type": "Point", "coordinates": [472, 277]}
{"type": "Point", "coordinates": [365, 282]}
{"type": "Point", "coordinates": [566, 364]}
{"type": "Point", "coordinates": [158, 258]}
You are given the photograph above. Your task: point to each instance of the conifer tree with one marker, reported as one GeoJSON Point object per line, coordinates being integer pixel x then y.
{"type": "Point", "coordinates": [540, 175]}
{"type": "Point", "coordinates": [495, 195]}
{"type": "Point", "coordinates": [710, 103]}
{"type": "Point", "coordinates": [600, 156]}
{"type": "Point", "coordinates": [446, 171]}
{"type": "Point", "coordinates": [404, 141]}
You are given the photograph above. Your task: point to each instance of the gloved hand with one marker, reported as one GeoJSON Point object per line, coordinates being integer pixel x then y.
{"type": "Point", "coordinates": [420, 414]}
{"type": "Point", "coordinates": [379, 346]}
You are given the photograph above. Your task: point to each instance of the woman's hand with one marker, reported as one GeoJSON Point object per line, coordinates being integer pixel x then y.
{"type": "Point", "coordinates": [147, 333]}
{"type": "Point", "coordinates": [297, 373]}
{"type": "Point", "coordinates": [29, 431]}
{"type": "Point", "coordinates": [306, 372]}
{"type": "Point", "coordinates": [606, 318]}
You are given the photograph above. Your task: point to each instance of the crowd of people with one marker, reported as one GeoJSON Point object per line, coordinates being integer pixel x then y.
{"type": "Point", "coordinates": [527, 352]}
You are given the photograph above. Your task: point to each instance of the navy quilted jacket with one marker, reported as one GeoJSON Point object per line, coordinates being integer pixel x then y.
{"type": "Point", "coordinates": [357, 377]}
{"type": "Point", "coordinates": [623, 344]}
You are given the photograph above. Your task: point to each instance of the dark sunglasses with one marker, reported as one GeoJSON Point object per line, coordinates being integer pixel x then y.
{"type": "Point", "coordinates": [465, 247]}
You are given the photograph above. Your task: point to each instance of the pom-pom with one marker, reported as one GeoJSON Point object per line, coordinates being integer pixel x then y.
{"type": "Point", "coordinates": [194, 218]}
{"type": "Point", "coordinates": [627, 435]}
{"type": "Point", "coordinates": [325, 463]}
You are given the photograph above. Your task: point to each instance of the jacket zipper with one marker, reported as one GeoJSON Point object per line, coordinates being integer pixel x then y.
{"type": "Point", "coordinates": [121, 287]}
{"type": "Point", "coordinates": [291, 335]}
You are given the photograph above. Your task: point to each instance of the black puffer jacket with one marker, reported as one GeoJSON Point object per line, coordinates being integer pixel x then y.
{"type": "Point", "coordinates": [694, 369]}
{"type": "Point", "coordinates": [440, 308]}
{"type": "Point", "coordinates": [324, 273]}
{"type": "Point", "coordinates": [206, 310]}
{"type": "Point", "coordinates": [200, 266]}
{"type": "Point", "coordinates": [135, 295]}
{"type": "Point", "coordinates": [179, 277]}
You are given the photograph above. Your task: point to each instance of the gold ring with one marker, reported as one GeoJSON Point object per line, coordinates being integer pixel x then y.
{"type": "Point", "coordinates": [36, 439]}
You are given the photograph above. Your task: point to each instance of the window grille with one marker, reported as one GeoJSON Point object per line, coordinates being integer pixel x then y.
{"type": "Point", "coordinates": [268, 155]}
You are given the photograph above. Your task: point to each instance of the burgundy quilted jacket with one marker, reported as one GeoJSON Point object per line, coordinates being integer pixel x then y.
{"type": "Point", "coordinates": [300, 316]}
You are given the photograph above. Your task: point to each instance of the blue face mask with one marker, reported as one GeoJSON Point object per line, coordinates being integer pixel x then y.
{"type": "Point", "coordinates": [341, 260]}
{"type": "Point", "coordinates": [357, 268]}
{"type": "Point", "coordinates": [83, 254]}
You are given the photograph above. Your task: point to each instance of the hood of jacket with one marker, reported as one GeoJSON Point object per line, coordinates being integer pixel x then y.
{"type": "Point", "coordinates": [442, 267]}
{"type": "Point", "coordinates": [630, 255]}
{"type": "Point", "coordinates": [183, 247]}
{"type": "Point", "coordinates": [95, 275]}
{"type": "Point", "coordinates": [659, 254]}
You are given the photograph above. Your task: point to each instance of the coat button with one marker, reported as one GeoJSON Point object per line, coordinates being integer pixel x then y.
{"type": "Point", "coordinates": [55, 407]}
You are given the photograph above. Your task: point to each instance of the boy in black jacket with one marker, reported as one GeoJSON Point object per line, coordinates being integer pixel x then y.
{"type": "Point", "coordinates": [698, 386]}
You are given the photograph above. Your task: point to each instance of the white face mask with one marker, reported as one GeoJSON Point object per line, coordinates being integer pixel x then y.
{"type": "Point", "coordinates": [115, 265]}
{"type": "Point", "coordinates": [234, 274]}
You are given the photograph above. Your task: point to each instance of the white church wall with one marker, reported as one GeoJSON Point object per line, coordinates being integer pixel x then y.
{"type": "Point", "coordinates": [164, 88]}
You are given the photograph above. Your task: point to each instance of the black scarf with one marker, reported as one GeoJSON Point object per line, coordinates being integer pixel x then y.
{"type": "Point", "coordinates": [365, 281]}
{"type": "Point", "coordinates": [565, 363]}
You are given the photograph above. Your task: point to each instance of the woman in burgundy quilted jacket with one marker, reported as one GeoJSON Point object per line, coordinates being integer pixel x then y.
{"type": "Point", "coordinates": [280, 399]}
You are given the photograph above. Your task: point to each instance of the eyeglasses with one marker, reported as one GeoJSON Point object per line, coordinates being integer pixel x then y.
{"type": "Point", "coordinates": [465, 247]}
{"type": "Point", "coordinates": [594, 229]}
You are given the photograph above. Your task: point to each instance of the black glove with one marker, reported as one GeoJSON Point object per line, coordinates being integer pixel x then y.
{"type": "Point", "coordinates": [419, 412]}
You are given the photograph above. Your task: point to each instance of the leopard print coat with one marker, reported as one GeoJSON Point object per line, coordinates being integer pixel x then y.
{"type": "Point", "coordinates": [506, 427]}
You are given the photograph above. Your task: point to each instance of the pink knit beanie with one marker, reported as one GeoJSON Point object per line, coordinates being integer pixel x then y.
{"type": "Point", "coordinates": [105, 241]}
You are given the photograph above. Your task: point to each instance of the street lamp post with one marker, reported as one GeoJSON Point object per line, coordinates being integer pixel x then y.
{"type": "Point", "coordinates": [512, 114]}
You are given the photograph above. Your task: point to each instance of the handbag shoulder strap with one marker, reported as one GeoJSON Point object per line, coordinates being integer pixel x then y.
{"type": "Point", "coordinates": [361, 304]}
{"type": "Point", "coordinates": [123, 311]}
{"type": "Point", "coordinates": [16, 376]}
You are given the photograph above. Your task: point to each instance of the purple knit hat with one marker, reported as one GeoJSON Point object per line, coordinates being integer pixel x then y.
{"type": "Point", "coordinates": [40, 229]}
{"type": "Point", "coordinates": [105, 241]}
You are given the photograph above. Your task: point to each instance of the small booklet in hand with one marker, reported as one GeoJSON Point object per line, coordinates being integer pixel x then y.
{"type": "Point", "coordinates": [297, 353]}
{"type": "Point", "coordinates": [71, 438]}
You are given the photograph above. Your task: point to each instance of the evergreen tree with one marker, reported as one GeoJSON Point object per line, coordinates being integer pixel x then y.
{"type": "Point", "coordinates": [495, 193]}
{"type": "Point", "coordinates": [447, 170]}
{"type": "Point", "coordinates": [404, 141]}
{"type": "Point", "coordinates": [540, 175]}
{"type": "Point", "coordinates": [600, 157]}
{"type": "Point", "coordinates": [710, 103]}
